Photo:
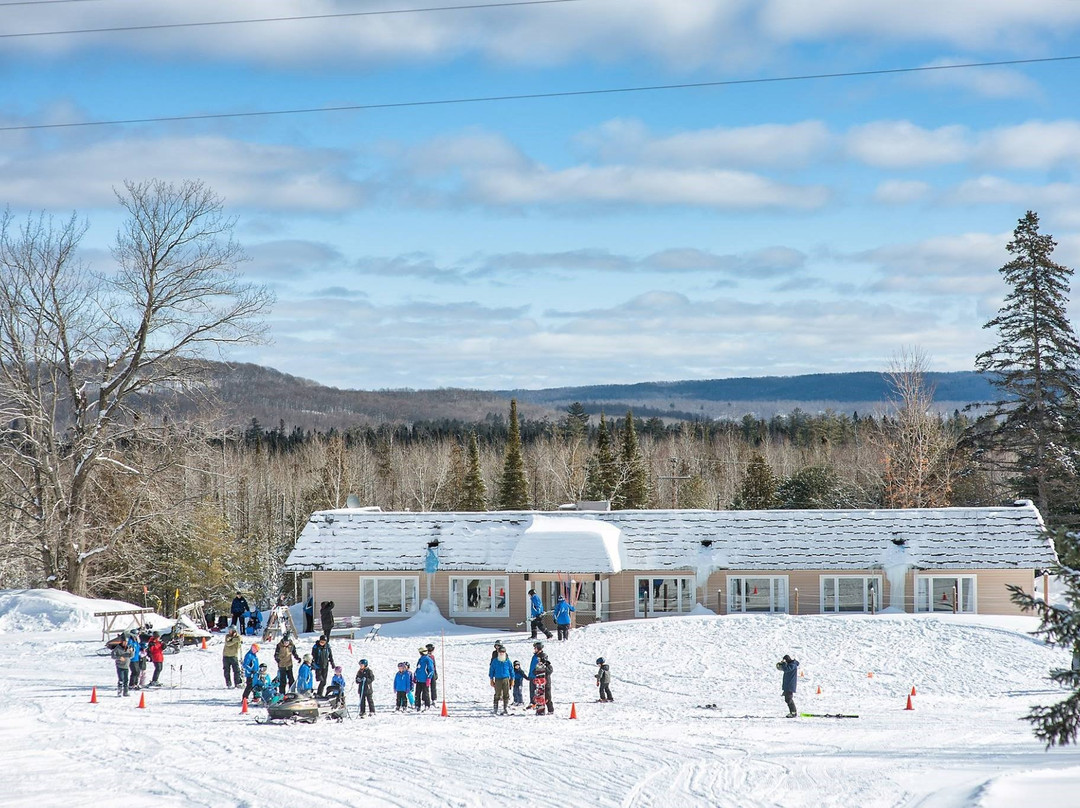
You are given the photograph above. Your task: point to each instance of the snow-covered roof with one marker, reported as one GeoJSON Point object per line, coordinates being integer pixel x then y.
{"type": "Point", "coordinates": [528, 541]}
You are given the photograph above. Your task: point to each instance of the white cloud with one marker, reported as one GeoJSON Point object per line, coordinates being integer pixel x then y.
{"type": "Point", "coordinates": [902, 144]}
{"type": "Point", "coordinates": [626, 140]}
{"type": "Point", "coordinates": [901, 192]}
{"type": "Point", "coordinates": [955, 265]}
{"type": "Point", "coordinates": [269, 177]}
{"type": "Point", "coordinates": [992, 190]}
{"type": "Point", "coordinates": [987, 82]}
{"type": "Point", "coordinates": [1035, 144]}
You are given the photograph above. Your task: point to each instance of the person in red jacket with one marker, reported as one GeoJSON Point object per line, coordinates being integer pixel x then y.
{"type": "Point", "coordinates": [156, 651]}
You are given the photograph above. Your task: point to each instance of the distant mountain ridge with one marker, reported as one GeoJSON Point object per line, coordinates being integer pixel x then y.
{"type": "Point", "coordinates": [249, 391]}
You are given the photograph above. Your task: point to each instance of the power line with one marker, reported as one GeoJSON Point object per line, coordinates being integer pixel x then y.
{"type": "Point", "coordinates": [163, 26]}
{"type": "Point", "coordinates": [534, 96]}
{"type": "Point", "coordinates": [43, 2]}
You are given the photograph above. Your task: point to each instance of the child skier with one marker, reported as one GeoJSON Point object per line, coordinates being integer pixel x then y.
{"type": "Point", "coordinates": [121, 654]}
{"type": "Point", "coordinates": [519, 676]}
{"type": "Point", "coordinates": [261, 689]}
{"type": "Point", "coordinates": [304, 680]}
{"type": "Point", "coordinates": [338, 681]}
{"type": "Point", "coordinates": [364, 679]}
{"type": "Point", "coordinates": [603, 680]}
{"type": "Point", "coordinates": [402, 686]}
{"type": "Point", "coordinates": [790, 668]}
{"type": "Point", "coordinates": [251, 668]}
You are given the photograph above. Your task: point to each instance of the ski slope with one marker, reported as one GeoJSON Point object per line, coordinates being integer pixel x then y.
{"type": "Point", "coordinates": [962, 745]}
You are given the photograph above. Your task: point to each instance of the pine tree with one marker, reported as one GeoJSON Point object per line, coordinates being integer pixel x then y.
{"type": "Point", "coordinates": [513, 487]}
{"type": "Point", "coordinates": [1035, 367]}
{"type": "Point", "coordinates": [576, 423]}
{"type": "Point", "coordinates": [602, 475]}
{"type": "Point", "coordinates": [1057, 725]}
{"type": "Point", "coordinates": [757, 490]}
{"type": "Point", "coordinates": [634, 491]}
{"type": "Point", "coordinates": [473, 491]}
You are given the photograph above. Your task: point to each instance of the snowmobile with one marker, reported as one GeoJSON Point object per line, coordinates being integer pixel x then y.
{"type": "Point", "coordinates": [293, 707]}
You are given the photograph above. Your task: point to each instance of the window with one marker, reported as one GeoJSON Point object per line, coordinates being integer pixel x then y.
{"type": "Point", "coordinates": [757, 594]}
{"type": "Point", "coordinates": [936, 593]}
{"type": "Point", "coordinates": [480, 596]}
{"type": "Point", "coordinates": [388, 595]}
{"type": "Point", "coordinates": [664, 596]}
{"type": "Point", "coordinates": [850, 593]}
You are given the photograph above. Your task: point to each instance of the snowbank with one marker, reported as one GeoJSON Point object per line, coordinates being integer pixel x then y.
{"type": "Point", "coordinates": [52, 610]}
{"type": "Point", "coordinates": [427, 622]}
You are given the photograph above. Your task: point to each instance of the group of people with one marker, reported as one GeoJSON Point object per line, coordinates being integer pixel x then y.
{"type": "Point", "coordinates": [132, 654]}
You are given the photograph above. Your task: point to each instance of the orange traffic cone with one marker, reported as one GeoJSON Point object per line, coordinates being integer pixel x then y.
{"type": "Point", "coordinates": [802, 674]}
{"type": "Point", "coordinates": [243, 706]}
{"type": "Point", "coordinates": [819, 690]}
{"type": "Point", "coordinates": [913, 690]}
{"type": "Point", "coordinates": [870, 675]}
{"type": "Point", "coordinates": [909, 707]}
{"type": "Point", "coordinates": [93, 695]}
{"type": "Point", "coordinates": [573, 709]}
{"type": "Point", "coordinates": [142, 701]}
{"type": "Point", "coordinates": [204, 643]}
{"type": "Point", "coordinates": [444, 714]}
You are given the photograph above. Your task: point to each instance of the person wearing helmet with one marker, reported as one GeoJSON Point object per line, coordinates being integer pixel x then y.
{"type": "Point", "coordinates": [536, 615]}
{"type": "Point", "coordinates": [501, 674]}
{"type": "Point", "coordinates": [433, 683]}
{"type": "Point", "coordinates": [562, 617]}
{"type": "Point", "coordinates": [251, 669]}
{"type": "Point", "coordinates": [121, 654]}
{"type": "Point", "coordinates": [304, 680]}
{"type": "Point", "coordinates": [603, 680]}
{"type": "Point", "coordinates": [365, 680]}
{"type": "Point", "coordinates": [425, 666]}
{"type": "Point", "coordinates": [402, 685]}
{"type": "Point", "coordinates": [262, 689]}
{"type": "Point", "coordinates": [322, 660]}
{"type": "Point", "coordinates": [519, 677]}
{"type": "Point", "coordinates": [156, 652]}
{"type": "Point", "coordinates": [540, 677]}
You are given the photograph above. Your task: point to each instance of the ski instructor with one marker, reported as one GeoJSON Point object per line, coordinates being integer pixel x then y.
{"type": "Point", "coordinates": [536, 613]}
{"type": "Point", "coordinates": [790, 668]}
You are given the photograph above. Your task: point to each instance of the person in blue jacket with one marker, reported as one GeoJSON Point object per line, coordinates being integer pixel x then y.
{"type": "Point", "coordinates": [562, 617]}
{"type": "Point", "coordinates": [261, 689]}
{"type": "Point", "coordinates": [250, 667]}
{"type": "Point", "coordinates": [305, 682]}
{"type": "Point", "coordinates": [138, 659]}
{"type": "Point", "coordinates": [790, 668]}
{"type": "Point", "coordinates": [424, 669]}
{"type": "Point", "coordinates": [403, 683]}
{"type": "Point", "coordinates": [501, 674]}
{"type": "Point", "coordinates": [519, 677]}
{"type": "Point", "coordinates": [540, 665]}
{"type": "Point", "coordinates": [536, 614]}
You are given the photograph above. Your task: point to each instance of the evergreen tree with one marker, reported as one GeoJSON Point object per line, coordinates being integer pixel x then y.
{"type": "Point", "coordinates": [473, 491]}
{"type": "Point", "coordinates": [1057, 725]}
{"type": "Point", "coordinates": [576, 423]}
{"type": "Point", "coordinates": [813, 487]}
{"type": "Point", "coordinates": [513, 487]}
{"type": "Point", "coordinates": [1030, 430]}
{"type": "Point", "coordinates": [602, 475]}
{"type": "Point", "coordinates": [757, 490]}
{"type": "Point", "coordinates": [634, 491]}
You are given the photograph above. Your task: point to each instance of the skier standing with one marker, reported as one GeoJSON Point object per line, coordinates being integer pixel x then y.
{"type": "Point", "coordinates": [338, 681]}
{"type": "Point", "coordinates": [365, 678]}
{"type": "Point", "coordinates": [562, 617]}
{"type": "Point", "coordinates": [121, 654]}
{"type": "Point", "coordinates": [424, 668]}
{"type": "Point", "coordinates": [237, 609]}
{"type": "Point", "coordinates": [536, 614]}
{"type": "Point", "coordinates": [326, 617]}
{"type": "Point", "coordinates": [501, 674]}
{"type": "Point", "coordinates": [322, 660]}
{"type": "Point", "coordinates": [304, 680]}
{"type": "Point", "coordinates": [790, 668]}
{"type": "Point", "coordinates": [433, 683]}
{"type": "Point", "coordinates": [519, 676]}
{"type": "Point", "coordinates": [402, 686]}
{"type": "Point", "coordinates": [138, 654]}
{"type": "Point", "coordinates": [156, 651]}
{"type": "Point", "coordinates": [540, 675]}
{"type": "Point", "coordinates": [230, 659]}
{"type": "Point", "coordinates": [251, 668]}
{"type": "Point", "coordinates": [284, 654]}
{"type": "Point", "coordinates": [603, 680]}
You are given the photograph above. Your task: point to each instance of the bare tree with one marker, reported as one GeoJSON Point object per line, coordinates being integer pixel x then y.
{"type": "Point", "coordinates": [80, 351]}
{"type": "Point", "coordinates": [919, 463]}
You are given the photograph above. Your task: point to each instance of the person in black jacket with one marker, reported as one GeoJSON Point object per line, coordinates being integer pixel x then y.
{"type": "Point", "coordinates": [322, 660]}
{"type": "Point", "coordinates": [238, 608]}
{"type": "Point", "coordinates": [364, 679]}
{"type": "Point", "coordinates": [326, 616]}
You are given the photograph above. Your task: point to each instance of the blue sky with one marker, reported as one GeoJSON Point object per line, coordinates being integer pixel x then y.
{"type": "Point", "coordinates": [763, 229]}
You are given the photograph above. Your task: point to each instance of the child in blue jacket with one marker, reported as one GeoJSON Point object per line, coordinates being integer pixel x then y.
{"type": "Point", "coordinates": [305, 682]}
{"type": "Point", "coordinates": [403, 683]}
{"type": "Point", "coordinates": [519, 677]}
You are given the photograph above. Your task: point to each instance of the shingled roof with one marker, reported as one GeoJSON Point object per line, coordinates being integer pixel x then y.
{"type": "Point", "coordinates": [931, 538]}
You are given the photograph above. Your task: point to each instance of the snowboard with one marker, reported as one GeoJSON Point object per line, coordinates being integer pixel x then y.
{"type": "Point", "coordinates": [540, 702]}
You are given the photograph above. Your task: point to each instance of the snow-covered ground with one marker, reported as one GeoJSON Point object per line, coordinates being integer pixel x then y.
{"type": "Point", "coordinates": [963, 745]}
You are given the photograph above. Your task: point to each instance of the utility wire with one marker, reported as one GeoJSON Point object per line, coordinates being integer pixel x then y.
{"type": "Point", "coordinates": [43, 2]}
{"type": "Point", "coordinates": [533, 96]}
{"type": "Point", "coordinates": [164, 26]}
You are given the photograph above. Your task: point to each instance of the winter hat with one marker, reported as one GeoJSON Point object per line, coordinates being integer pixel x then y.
{"type": "Point", "coordinates": [307, 658]}
{"type": "Point", "coordinates": [255, 647]}
{"type": "Point", "coordinates": [430, 647]}
{"type": "Point", "coordinates": [538, 644]}
{"type": "Point", "coordinates": [363, 662]}
{"type": "Point", "coordinates": [337, 669]}
{"type": "Point", "coordinates": [401, 664]}
{"type": "Point", "coordinates": [561, 597]}
{"type": "Point", "coordinates": [422, 650]}
{"type": "Point", "coordinates": [532, 591]}
{"type": "Point", "coordinates": [599, 660]}
{"type": "Point", "coordinates": [517, 664]}
{"type": "Point", "coordinates": [262, 666]}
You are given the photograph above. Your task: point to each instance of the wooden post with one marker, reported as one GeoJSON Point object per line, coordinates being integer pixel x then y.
{"type": "Point", "coordinates": [1046, 589]}
{"type": "Point", "coordinates": [955, 603]}
{"type": "Point", "coordinates": [796, 601]}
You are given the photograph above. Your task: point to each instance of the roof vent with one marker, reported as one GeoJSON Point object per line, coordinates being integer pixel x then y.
{"type": "Point", "coordinates": [594, 505]}
{"type": "Point", "coordinates": [1024, 503]}
{"type": "Point", "coordinates": [899, 541]}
